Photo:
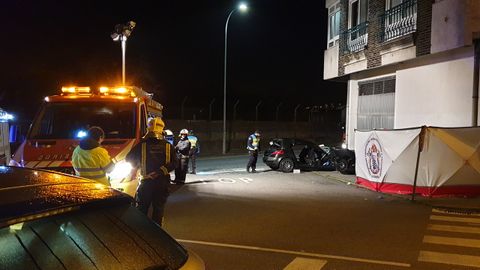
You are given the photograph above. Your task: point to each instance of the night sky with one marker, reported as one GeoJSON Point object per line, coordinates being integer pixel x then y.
{"type": "Point", "coordinates": [275, 52]}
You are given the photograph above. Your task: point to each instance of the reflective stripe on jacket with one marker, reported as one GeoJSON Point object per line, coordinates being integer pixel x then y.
{"type": "Point", "coordinates": [93, 164]}
{"type": "Point", "coordinates": [153, 156]}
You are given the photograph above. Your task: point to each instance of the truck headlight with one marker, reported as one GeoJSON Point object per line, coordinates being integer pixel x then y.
{"type": "Point", "coordinates": [122, 170]}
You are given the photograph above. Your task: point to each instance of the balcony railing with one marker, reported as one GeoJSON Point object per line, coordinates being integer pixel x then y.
{"type": "Point", "coordinates": [399, 21]}
{"type": "Point", "coordinates": [356, 38]}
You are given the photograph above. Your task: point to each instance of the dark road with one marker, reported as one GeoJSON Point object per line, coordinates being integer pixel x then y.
{"type": "Point", "coordinates": [273, 220]}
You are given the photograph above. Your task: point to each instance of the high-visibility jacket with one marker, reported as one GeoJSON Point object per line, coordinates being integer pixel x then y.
{"type": "Point", "coordinates": [92, 162]}
{"type": "Point", "coordinates": [195, 145]}
{"type": "Point", "coordinates": [253, 142]}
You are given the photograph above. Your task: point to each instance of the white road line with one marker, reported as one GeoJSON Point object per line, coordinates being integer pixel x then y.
{"type": "Point", "coordinates": [449, 228]}
{"type": "Point", "coordinates": [452, 241]}
{"type": "Point", "coordinates": [304, 254]}
{"type": "Point", "coordinates": [453, 213]}
{"type": "Point", "coordinates": [449, 258]}
{"type": "Point", "coordinates": [455, 219]}
{"type": "Point", "coordinates": [305, 264]}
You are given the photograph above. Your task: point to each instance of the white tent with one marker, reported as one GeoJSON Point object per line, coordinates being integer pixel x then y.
{"type": "Point", "coordinates": [431, 161]}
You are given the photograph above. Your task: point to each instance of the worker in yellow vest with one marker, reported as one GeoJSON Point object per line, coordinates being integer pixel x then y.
{"type": "Point", "coordinates": [90, 159]}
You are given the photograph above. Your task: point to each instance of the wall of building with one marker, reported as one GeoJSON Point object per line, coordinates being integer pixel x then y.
{"type": "Point", "coordinates": [439, 94]}
{"type": "Point", "coordinates": [330, 64]}
{"type": "Point", "coordinates": [449, 25]}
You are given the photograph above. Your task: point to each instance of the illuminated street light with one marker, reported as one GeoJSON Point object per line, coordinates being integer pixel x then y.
{"type": "Point", "coordinates": [121, 33]}
{"type": "Point", "coordinates": [242, 7]}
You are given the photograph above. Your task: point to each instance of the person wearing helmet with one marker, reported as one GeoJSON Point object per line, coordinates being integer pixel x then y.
{"type": "Point", "coordinates": [253, 147]}
{"type": "Point", "coordinates": [183, 149]}
{"type": "Point", "coordinates": [194, 151]}
{"type": "Point", "coordinates": [90, 159]}
{"type": "Point", "coordinates": [155, 159]}
{"type": "Point", "coordinates": [168, 136]}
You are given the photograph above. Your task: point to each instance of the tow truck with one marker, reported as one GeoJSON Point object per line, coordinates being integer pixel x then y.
{"type": "Point", "coordinates": [63, 119]}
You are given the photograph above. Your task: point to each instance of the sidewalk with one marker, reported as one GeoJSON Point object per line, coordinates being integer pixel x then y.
{"type": "Point", "coordinates": [453, 204]}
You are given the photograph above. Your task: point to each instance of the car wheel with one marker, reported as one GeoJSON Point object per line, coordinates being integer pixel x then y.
{"type": "Point", "coordinates": [286, 165]}
{"type": "Point", "coordinates": [341, 165]}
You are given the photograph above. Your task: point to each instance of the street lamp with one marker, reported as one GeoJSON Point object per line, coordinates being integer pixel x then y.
{"type": "Point", "coordinates": [120, 33]}
{"type": "Point", "coordinates": [242, 7]}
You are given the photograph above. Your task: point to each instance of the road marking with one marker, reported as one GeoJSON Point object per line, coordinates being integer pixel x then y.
{"type": "Point", "coordinates": [449, 228]}
{"type": "Point", "coordinates": [449, 258]}
{"type": "Point", "coordinates": [455, 219]}
{"type": "Point", "coordinates": [297, 253]}
{"type": "Point", "coordinates": [227, 180]}
{"type": "Point", "coordinates": [246, 180]}
{"type": "Point", "coordinates": [453, 241]}
{"type": "Point", "coordinates": [305, 264]}
{"type": "Point", "coordinates": [454, 213]}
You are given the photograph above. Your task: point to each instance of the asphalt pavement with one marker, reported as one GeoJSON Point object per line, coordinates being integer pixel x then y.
{"type": "Point", "coordinates": [225, 164]}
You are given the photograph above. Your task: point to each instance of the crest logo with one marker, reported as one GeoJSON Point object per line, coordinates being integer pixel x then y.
{"type": "Point", "coordinates": [374, 157]}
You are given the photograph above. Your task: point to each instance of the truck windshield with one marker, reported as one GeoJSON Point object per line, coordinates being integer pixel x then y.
{"type": "Point", "coordinates": [69, 120]}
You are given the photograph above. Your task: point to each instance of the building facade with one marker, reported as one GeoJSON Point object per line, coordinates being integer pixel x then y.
{"type": "Point", "coordinates": [408, 63]}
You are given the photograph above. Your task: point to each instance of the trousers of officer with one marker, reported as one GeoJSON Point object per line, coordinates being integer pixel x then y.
{"type": "Point", "coordinates": [153, 192]}
{"type": "Point", "coordinates": [252, 159]}
{"type": "Point", "coordinates": [181, 170]}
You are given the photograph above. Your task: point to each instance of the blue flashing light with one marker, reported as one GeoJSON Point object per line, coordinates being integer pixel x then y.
{"type": "Point", "coordinates": [81, 134]}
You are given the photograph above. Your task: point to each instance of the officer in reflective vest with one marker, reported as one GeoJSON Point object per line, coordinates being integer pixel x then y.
{"type": "Point", "coordinates": [253, 147]}
{"type": "Point", "coordinates": [155, 158]}
{"type": "Point", "coordinates": [194, 151]}
{"type": "Point", "coordinates": [90, 160]}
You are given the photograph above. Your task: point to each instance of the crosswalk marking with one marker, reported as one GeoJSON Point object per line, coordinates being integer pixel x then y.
{"type": "Point", "coordinates": [449, 228]}
{"type": "Point", "coordinates": [469, 225]}
{"type": "Point", "coordinates": [454, 213]}
{"type": "Point", "coordinates": [448, 258]}
{"type": "Point", "coordinates": [455, 219]}
{"type": "Point", "coordinates": [453, 241]}
{"type": "Point", "coordinates": [305, 264]}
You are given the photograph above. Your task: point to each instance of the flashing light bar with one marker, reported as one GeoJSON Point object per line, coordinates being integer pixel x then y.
{"type": "Point", "coordinates": [75, 90]}
{"type": "Point", "coordinates": [121, 90]}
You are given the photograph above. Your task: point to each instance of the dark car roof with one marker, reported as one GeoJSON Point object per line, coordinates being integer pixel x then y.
{"type": "Point", "coordinates": [295, 140]}
{"type": "Point", "coordinates": [27, 194]}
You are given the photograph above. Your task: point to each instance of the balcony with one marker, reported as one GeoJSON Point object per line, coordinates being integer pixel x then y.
{"type": "Point", "coordinates": [399, 21]}
{"type": "Point", "coordinates": [355, 39]}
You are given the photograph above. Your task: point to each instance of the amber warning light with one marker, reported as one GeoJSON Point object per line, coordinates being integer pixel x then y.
{"type": "Point", "coordinates": [75, 90]}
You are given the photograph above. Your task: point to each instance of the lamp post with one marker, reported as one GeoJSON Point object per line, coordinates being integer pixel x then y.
{"type": "Point", "coordinates": [121, 33]}
{"type": "Point", "coordinates": [242, 7]}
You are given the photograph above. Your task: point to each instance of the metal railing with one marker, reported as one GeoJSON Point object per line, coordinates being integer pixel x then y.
{"type": "Point", "coordinates": [356, 38]}
{"type": "Point", "coordinates": [399, 21]}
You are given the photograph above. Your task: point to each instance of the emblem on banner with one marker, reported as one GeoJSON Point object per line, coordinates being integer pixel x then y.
{"type": "Point", "coordinates": [374, 157]}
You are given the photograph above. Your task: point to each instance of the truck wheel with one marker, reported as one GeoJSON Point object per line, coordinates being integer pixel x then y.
{"type": "Point", "coordinates": [286, 165]}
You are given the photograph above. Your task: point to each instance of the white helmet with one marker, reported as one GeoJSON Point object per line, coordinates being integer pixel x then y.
{"type": "Point", "coordinates": [183, 131]}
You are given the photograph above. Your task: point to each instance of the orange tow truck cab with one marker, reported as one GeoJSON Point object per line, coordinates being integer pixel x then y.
{"type": "Point", "coordinates": [63, 119]}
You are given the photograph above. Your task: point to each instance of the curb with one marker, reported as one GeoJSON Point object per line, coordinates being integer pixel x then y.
{"type": "Point", "coordinates": [448, 209]}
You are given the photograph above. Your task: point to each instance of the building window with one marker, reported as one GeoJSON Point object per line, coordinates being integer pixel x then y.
{"type": "Point", "coordinates": [333, 24]}
{"type": "Point", "coordinates": [399, 19]}
{"type": "Point", "coordinates": [376, 104]}
{"type": "Point", "coordinates": [356, 37]}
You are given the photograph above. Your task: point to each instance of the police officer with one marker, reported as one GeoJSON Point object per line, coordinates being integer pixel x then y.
{"type": "Point", "coordinates": [155, 158]}
{"type": "Point", "coordinates": [194, 151]}
{"type": "Point", "coordinates": [183, 150]}
{"type": "Point", "coordinates": [253, 146]}
{"type": "Point", "coordinates": [90, 160]}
